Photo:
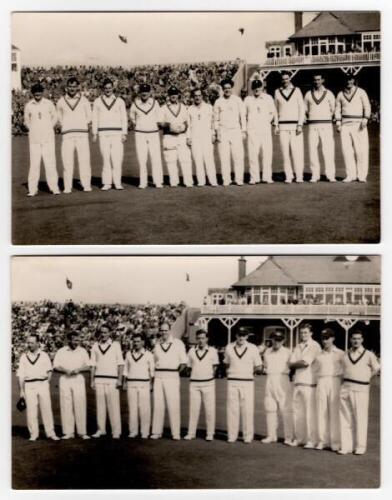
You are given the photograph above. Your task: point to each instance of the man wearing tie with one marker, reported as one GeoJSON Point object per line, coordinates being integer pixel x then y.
{"type": "Point", "coordinates": [230, 126]}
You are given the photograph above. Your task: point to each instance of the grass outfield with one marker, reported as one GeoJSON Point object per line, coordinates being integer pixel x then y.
{"type": "Point", "coordinates": [143, 464]}
{"type": "Point", "coordinates": [261, 214]}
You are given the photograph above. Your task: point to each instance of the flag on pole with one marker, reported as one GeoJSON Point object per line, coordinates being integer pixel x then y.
{"type": "Point", "coordinates": [123, 38]}
{"type": "Point", "coordinates": [241, 30]}
{"type": "Point", "coordinates": [68, 283]}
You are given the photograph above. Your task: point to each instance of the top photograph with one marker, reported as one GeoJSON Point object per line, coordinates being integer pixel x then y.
{"type": "Point", "coordinates": [195, 128]}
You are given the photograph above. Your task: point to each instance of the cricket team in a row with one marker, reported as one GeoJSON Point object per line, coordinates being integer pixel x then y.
{"type": "Point", "coordinates": [190, 132]}
{"type": "Point", "coordinates": [326, 405]}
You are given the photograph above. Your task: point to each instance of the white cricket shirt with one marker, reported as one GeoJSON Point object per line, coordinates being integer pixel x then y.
{"type": "Point", "coordinates": [306, 352]}
{"type": "Point", "coordinates": [40, 117]}
{"type": "Point", "coordinates": [229, 113]}
{"type": "Point", "coordinates": [276, 362]}
{"type": "Point", "coordinates": [260, 112]}
{"type": "Point", "coordinates": [71, 359]}
{"type": "Point", "coordinates": [329, 363]}
{"type": "Point", "coordinates": [200, 121]}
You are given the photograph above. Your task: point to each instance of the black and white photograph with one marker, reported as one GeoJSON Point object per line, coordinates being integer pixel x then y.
{"type": "Point", "coordinates": [195, 128]}
{"type": "Point", "coordinates": [195, 372]}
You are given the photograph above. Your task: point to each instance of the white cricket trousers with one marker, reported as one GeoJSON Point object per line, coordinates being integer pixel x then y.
{"type": "Point", "coordinates": [354, 409]}
{"type": "Point", "coordinates": [148, 143]}
{"type": "Point", "coordinates": [202, 392]}
{"type": "Point", "coordinates": [139, 405]}
{"type": "Point", "coordinates": [68, 147]}
{"type": "Point", "coordinates": [73, 404]}
{"type": "Point", "coordinates": [278, 398]}
{"type": "Point", "coordinates": [38, 396]}
{"type": "Point", "coordinates": [108, 397]}
{"type": "Point", "coordinates": [328, 402]}
{"type": "Point", "coordinates": [355, 146]}
{"type": "Point", "coordinates": [175, 148]}
{"type": "Point", "coordinates": [260, 142]}
{"type": "Point", "coordinates": [46, 152]}
{"type": "Point", "coordinates": [323, 133]}
{"type": "Point", "coordinates": [240, 404]}
{"type": "Point", "coordinates": [167, 392]}
{"type": "Point", "coordinates": [231, 144]}
{"type": "Point", "coordinates": [292, 146]}
{"type": "Point", "coordinates": [112, 151]}
{"type": "Point", "coordinates": [305, 415]}
{"type": "Point", "coordinates": [203, 156]}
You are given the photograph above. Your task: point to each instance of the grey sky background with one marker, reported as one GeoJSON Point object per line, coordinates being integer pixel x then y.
{"type": "Point", "coordinates": [123, 279]}
{"type": "Point", "coordinates": [92, 38]}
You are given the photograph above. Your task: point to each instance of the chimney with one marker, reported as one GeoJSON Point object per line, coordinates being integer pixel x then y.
{"type": "Point", "coordinates": [241, 268]}
{"type": "Point", "coordinates": [298, 21]}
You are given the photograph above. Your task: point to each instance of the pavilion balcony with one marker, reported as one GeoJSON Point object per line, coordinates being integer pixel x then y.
{"type": "Point", "coordinates": [294, 309]}
{"type": "Point", "coordinates": [360, 58]}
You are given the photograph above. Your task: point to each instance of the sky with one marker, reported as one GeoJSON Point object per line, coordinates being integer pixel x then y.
{"type": "Point", "coordinates": [133, 280]}
{"type": "Point", "coordinates": [92, 38]}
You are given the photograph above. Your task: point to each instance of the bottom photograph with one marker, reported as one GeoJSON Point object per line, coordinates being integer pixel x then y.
{"type": "Point", "coordinates": [136, 372]}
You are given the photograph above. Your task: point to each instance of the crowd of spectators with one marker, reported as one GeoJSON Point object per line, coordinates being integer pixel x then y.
{"type": "Point", "coordinates": [53, 320]}
{"type": "Point", "coordinates": [127, 80]}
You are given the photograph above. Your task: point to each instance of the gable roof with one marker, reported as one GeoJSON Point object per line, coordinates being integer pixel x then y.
{"type": "Point", "coordinates": [14, 47]}
{"type": "Point", "coordinates": [339, 23]}
{"type": "Point", "coordinates": [284, 270]}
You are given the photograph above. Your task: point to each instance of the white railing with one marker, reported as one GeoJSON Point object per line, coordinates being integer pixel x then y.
{"type": "Point", "coordinates": [297, 309]}
{"type": "Point", "coordinates": [352, 57]}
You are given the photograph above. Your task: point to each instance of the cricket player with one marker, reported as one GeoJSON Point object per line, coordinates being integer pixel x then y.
{"type": "Point", "coordinates": [291, 114]}
{"type": "Point", "coordinates": [138, 374]}
{"type": "Point", "coordinates": [110, 123]}
{"type": "Point", "coordinates": [230, 127]}
{"type": "Point", "coordinates": [170, 359]}
{"type": "Point", "coordinates": [145, 115]}
{"type": "Point", "coordinates": [71, 361]}
{"type": "Point", "coordinates": [243, 361]}
{"type": "Point", "coordinates": [319, 111]}
{"type": "Point", "coordinates": [203, 362]}
{"type": "Point", "coordinates": [34, 374]}
{"type": "Point", "coordinates": [174, 122]}
{"type": "Point", "coordinates": [329, 369]}
{"type": "Point", "coordinates": [278, 390]}
{"type": "Point", "coordinates": [359, 366]}
{"type": "Point", "coordinates": [304, 396]}
{"type": "Point", "coordinates": [200, 137]}
{"type": "Point", "coordinates": [260, 114]}
{"type": "Point", "coordinates": [40, 117]}
{"type": "Point", "coordinates": [106, 379]}
{"type": "Point", "coordinates": [74, 116]}
{"type": "Point", "coordinates": [352, 114]}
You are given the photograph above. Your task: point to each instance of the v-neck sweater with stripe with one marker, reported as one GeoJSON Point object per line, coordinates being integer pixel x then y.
{"type": "Point", "coordinates": [352, 108]}
{"type": "Point", "coordinates": [74, 116]}
{"type": "Point", "coordinates": [359, 369]}
{"type": "Point", "coordinates": [319, 108]}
